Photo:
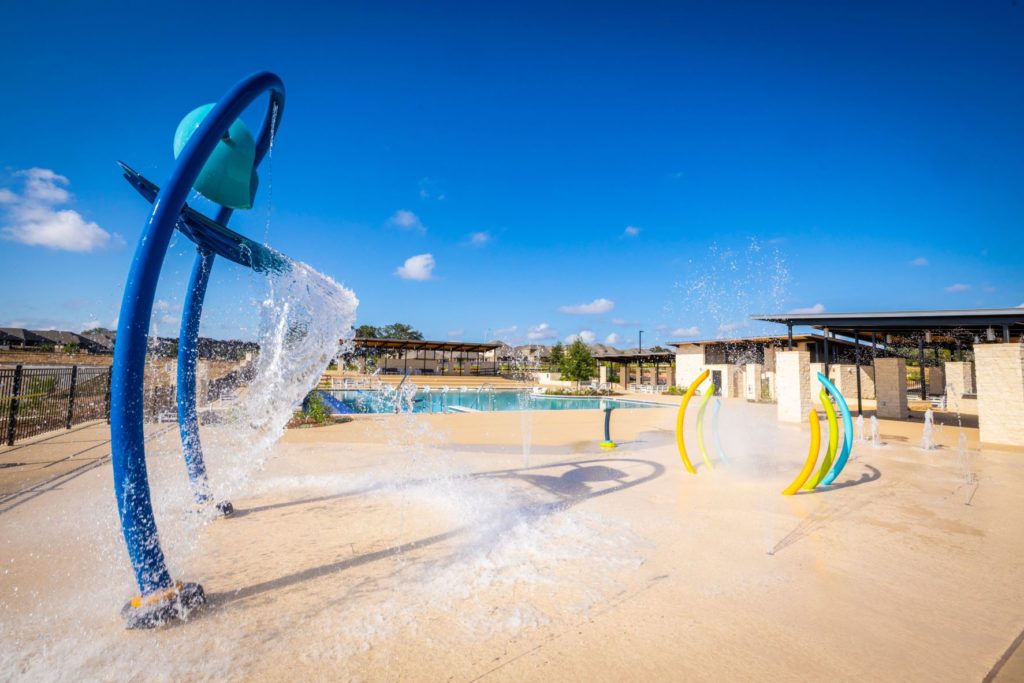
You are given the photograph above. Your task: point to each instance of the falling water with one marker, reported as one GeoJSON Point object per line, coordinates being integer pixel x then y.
{"type": "Point", "coordinates": [928, 436]}
{"type": "Point", "coordinates": [860, 429]}
{"type": "Point", "coordinates": [304, 317]}
{"type": "Point", "coordinates": [521, 373]}
{"type": "Point", "coordinates": [875, 441]}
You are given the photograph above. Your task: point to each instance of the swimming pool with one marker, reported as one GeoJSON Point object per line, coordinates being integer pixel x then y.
{"type": "Point", "coordinates": [356, 401]}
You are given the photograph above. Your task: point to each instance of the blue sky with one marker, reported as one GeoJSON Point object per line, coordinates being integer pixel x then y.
{"type": "Point", "coordinates": [606, 167]}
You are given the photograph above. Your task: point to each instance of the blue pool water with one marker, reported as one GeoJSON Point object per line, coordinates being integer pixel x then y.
{"type": "Point", "coordinates": [350, 401]}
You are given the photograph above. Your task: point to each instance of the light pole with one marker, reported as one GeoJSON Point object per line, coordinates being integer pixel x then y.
{"type": "Point", "coordinates": [639, 359]}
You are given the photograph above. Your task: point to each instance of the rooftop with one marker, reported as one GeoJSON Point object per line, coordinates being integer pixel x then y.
{"type": "Point", "coordinates": [424, 345]}
{"type": "Point", "coordinates": [974, 321]}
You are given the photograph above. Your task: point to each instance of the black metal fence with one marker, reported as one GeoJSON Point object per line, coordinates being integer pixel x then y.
{"type": "Point", "coordinates": [38, 400]}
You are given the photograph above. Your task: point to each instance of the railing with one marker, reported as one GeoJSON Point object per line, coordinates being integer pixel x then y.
{"type": "Point", "coordinates": [38, 400]}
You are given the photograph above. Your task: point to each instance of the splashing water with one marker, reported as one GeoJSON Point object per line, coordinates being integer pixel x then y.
{"type": "Point", "coordinates": [304, 320]}
{"type": "Point", "coordinates": [729, 284]}
{"type": "Point", "coordinates": [875, 439]}
{"type": "Point", "coordinates": [861, 436]}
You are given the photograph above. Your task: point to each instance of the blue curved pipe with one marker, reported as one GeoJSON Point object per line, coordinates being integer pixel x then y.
{"type": "Point", "coordinates": [188, 337]}
{"type": "Point", "coordinates": [188, 354]}
{"type": "Point", "coordinates": [131, 482]}
{"type": "Point", "coordinates": [844, 455]}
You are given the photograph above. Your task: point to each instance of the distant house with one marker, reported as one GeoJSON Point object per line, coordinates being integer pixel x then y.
{"type": "Point", "coordinates": [60, 338]}
{"type": "Point", "coordinates": [533, 353]}
{"type": "Point", "coordinates": [20, 338]}
{"type": "Point", "coordinates": [101, 341]}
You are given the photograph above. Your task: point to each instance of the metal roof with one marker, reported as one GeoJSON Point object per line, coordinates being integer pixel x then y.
{"type": "Point", "coordinates": [957, 320]}
{"type": "Point", "coordinates": [423, 345]}
{"type": "Point", "coordinates": [769, 339]}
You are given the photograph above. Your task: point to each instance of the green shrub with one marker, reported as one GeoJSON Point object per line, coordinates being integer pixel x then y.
{"type": "Point", "coordinates": [315, 410]}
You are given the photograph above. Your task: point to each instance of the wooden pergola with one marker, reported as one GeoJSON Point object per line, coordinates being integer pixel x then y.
{"type": "Point", "coordinates": [452, 354]}
{"type": "Point", "coordinates": [649, 358]}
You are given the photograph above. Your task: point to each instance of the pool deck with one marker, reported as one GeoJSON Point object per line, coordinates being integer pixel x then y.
{"type": "Point", "coordinates": [356, 555]}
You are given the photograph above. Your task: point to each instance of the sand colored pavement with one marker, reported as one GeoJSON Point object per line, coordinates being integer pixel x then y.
{"type": "Point", "coordinates": [509, 546]}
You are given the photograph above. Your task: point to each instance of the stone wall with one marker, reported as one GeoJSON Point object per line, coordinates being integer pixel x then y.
{"type": "Point", "coordinates": [792, 385]}
{"type": "Point", "coordinates": [845, 379]}
{"type": "Point", "coordinates": [1000, 375]}
{"type": "Point", "coordinates": [891, 388]}
{"type": "Point", "coordinates": [959, 380]}
{"type": "Point", "coordinates": [752, 373]}
{"type": "Point", "coordinates": [689, 364]}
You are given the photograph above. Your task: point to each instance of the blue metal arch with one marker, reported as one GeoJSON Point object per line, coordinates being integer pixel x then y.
{"type": "Point", "coordinates": [131, 484]}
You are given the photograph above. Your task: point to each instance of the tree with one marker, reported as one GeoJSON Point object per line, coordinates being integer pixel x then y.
{"type": "Point", "coordinates": [578, 365]}
{"type": "Point", "coordinates": [368, 332]}
{"type": "Point", "coordinates": [401, 331]}
{"type": "Point", "coordinates": [557, 356]}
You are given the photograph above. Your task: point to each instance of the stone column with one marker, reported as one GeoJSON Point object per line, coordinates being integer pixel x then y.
{"type": "Point", "coordinates": [792, 375]}
{"type": "Point", "coordinates": [602, 374]}
{"type": "Point", "coordinates": [936, 379]}
{"type": "Point", "coordinates": [813, 385]}
{"type": "Point", "coordinates": [959, 380]}
{"type": "Point", "coordinates": [891, 388]}
{"type": "Point", "coordinates": [1000, 374]}
{"type": "Point", "coordinates": [752, 381]}
{"type": "Point", "coordinates": [624, 376]}
{"type": "Point", "coordinates": [867, 381]}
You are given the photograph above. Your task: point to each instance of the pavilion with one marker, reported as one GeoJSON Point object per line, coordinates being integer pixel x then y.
{"type": "Point", "coordinates": [995, 375]}
{"type": "Point", "coordinates": [421, 357]}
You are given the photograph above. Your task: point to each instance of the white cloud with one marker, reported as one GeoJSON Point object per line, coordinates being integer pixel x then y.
{"type": "Point", "coordinates": [586, 335]}
{"type": "Point", "coordinates": [958, 287]}
{"type": "Point", "coordinates": [631, 231]}
{"type": "Point", "coordinates": [612, 339]}
{"type": "Point", "coordinates": [427, 190]}
{"type": "Point", "coordinates": [685, 332]}
{"type": "Point", "coordinates": [622, 322]}
{"type": "Point", "coordinates": [33, 218]}
{"type": "Point", "coordinates": [816, 308]}
{"type": "Point", "coordinates": [594, 307]}
{"type": "Point", "coordinates": [542, 331]}
{"type": "Point", "coordinates": [406, 220]}
{"type": "Point", "coordinates": [419, 267]}
{"type": "Point", "coordinates": [479, 239]}
{"type": "Point", "coordinates": [90, 325]}
{"type": "Point", "coordinates": [919, 261]}
{"type": "Point", "coordinates": [456, 334]}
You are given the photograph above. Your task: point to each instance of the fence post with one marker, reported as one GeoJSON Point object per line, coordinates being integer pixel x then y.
{"type": "Point", "coordinates": [71, 397]}
{"type": "Point", "coordinates": [106, 399]}
{"type": "Point", "coordinates": [12, 417]}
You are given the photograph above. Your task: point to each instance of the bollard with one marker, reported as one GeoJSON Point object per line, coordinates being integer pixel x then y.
{"type": "Point", "coordinates": [607, 443]}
